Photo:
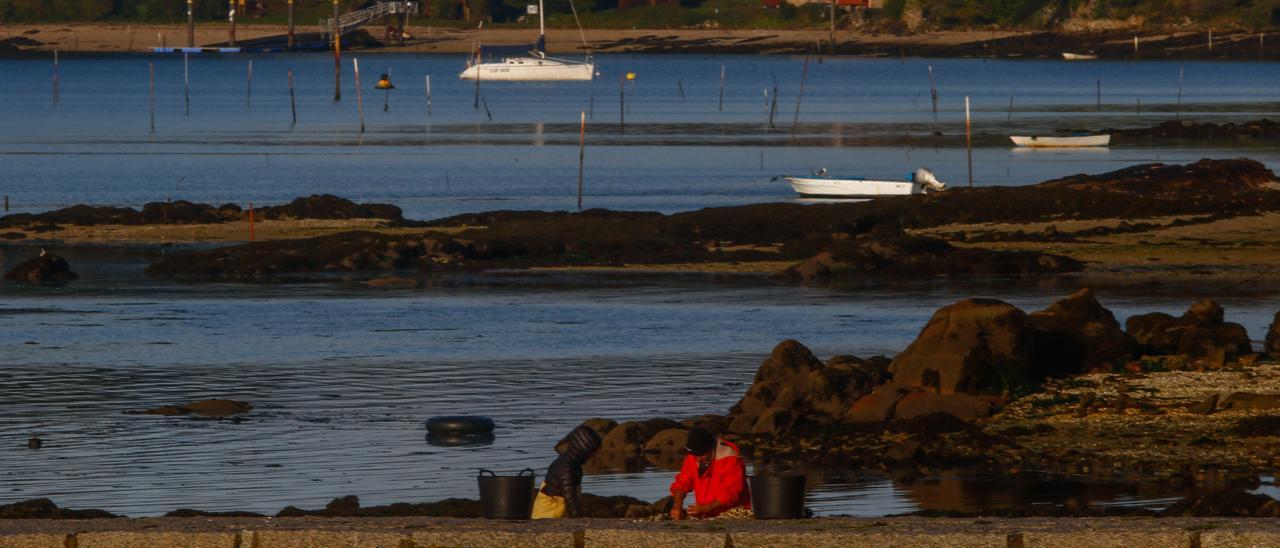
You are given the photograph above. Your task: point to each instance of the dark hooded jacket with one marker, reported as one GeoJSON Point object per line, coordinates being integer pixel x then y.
{"type": "Point", "coordinates": [564, 476]}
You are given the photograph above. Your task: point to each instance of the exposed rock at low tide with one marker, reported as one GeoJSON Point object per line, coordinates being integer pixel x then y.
{"type": "Point", "coordinates": [213, 408]}
{"type": "Point", "coordinates": [1273, 337]}
{"type": "Point", "coordinates": [181, 212]}
{"type": "Point", "coordinates": [46, 509]}
{"type": "Point", "coordinates": [1200, 333]}
{"type": "Point", "coordinates": [45, 269]}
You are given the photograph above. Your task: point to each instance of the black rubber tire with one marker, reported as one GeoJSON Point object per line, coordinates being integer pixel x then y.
{"type": "Point", "coordinates": [460, 425]}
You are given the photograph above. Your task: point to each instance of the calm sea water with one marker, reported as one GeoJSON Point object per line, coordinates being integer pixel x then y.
{"type": "Point", "coordinates": [681, 147]}
{"type": "Point", "coordinates": [343, 377]}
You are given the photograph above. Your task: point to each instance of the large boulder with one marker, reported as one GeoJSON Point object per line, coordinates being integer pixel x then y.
{"type": "Point", "coordinates": [978, 346]}
{"type": "Point", "coordinates": [963, 406]}
{"type": "Point", "coordinates": [787, 367]}
{"type": "Point", "coordinates": [793, 385]}
{"type": "Point", "coordinates": [1273, 337]}
{"type": "Point", "coordinates": [879, 404]}
{"type": "Point", "coordinates": [1076, 334]}
{"type": "Point", "coordinates": [1199, 333]}
{"type": "Point", "coordinates": [47, 268]}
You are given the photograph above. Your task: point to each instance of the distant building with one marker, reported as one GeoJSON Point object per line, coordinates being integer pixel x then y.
{"type": "Point", "coordinates": [624, 4]}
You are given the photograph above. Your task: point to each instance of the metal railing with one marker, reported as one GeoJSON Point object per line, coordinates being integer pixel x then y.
{"type": "Point", "coordinates": [348, 22]}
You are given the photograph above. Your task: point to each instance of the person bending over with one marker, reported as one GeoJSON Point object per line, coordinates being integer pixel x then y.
{"type": "Point", "coordinates": [558, 497]}
{"type": "Point", "coordinates": [713, 470]}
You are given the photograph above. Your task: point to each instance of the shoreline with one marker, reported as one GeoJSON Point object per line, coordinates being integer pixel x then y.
{"type": "Point", "coordinates": [816, 532]}
{"type": "Point", "coordinates": [35, 39]}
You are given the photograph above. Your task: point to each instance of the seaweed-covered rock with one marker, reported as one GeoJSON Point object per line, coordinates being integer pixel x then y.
{"type": "Point", "coordinates": [792, 384]}
{"type": "Point", "coordinates": [46, 509]}
{"type": "Point", "coordinates": [1077, 334]}
{"type": "Point", "coordinates": [213, 408]}
{"type": "Point", "coordinates": [179, 212]}
{"type": "Point", "coordinates": [328, 206]}
{"type": "Point", "coordinates": [1175, 181]}
{"type": "Point", "coordinates": [47, 268]}
{"type": "Point", "coordinates": [1199, 333]}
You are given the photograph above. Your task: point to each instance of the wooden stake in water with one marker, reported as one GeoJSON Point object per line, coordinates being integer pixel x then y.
{"type": "Point", "coordinates": [248, 90]}
{"type": "Point", "coordinates": [428, 96]}
{"type": "Point", "coordinates": [968, 139]}
{"type": "Point", "coordinates": [933, 94]}
{"type": "Point", "coordinates": [721, 88]}
{"type": "Point", "coordinates": [55, 77]}
{"type": "Point", "coordinates": [191, 23]}
{"type": "Point", "coordinates": [151, 94]}
{"type": "Point", "coordinates": [1009, 117]}
{"type": "Point", "coordinates": [773, 106]}
{"type": "Point", "coordinates": [355, 65]}
{"type": "Point", "coordinates": [1210, 41]}
{"type": "Point", "coordinates": [291, 43]}
{"type": "Point", "coordinates": [1261, 50]}
{"type": "Point", "coordinates": [622, 106]}
{"type": "Point", "coordinates": [477, 105]}
{"type": "Point", "coordinates": [582, 150]}
{"type": "Point", "coordinates": [293, 106]}
{"type": "Point", "coordinates": [1135, 45]}
{"type": "Point", "coordinates": [680, 86]}
{"type": "Point", "coordinates": [337, 55]}
{"type": "Point", "coordinates": [804, 74]}
{"type": "Point", "coordinates": [1178, 110]}
{"type": "Point", "coordinates": [186, 83]}
{"type": "Point", "coordinates": [231, 19]}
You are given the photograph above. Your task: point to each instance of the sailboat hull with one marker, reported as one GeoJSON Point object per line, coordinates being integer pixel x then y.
{"type": "Point", "coordinates": [530, 69]}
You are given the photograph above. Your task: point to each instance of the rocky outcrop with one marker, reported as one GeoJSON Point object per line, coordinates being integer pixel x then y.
{"type": "Point", "coordinates": [46, 509]}
{"type": "Point", "coordinates": [1162, 181]}
{"type": "Point", "coordinates": [1076, 334]}
{"type": "Point", "coordinates": [213, 408]}
{"type": "Point", "coordinates": [183, 212]}
{"type": "Point", "coordinates": [47, 268]}
{"type": "Point", "coordinates": [793, 385]}
{"type": "Point", "coordinates": [977, 346]}
{"type": "Point", "coordinates": [890, 251]}
{"type": "Point", "coordinates": [1179, 129]}
{"type": "Point", "coordinates": [328, 206]}
{"type": "Point", "coordinates": [1200, 333]}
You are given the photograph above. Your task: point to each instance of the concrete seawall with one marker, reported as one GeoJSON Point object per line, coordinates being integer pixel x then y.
{"type": "Point", "coordinates": [813, 533]}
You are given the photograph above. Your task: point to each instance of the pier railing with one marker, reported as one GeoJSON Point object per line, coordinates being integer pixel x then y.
{"type": "Point", "coordinates": [348, 22]}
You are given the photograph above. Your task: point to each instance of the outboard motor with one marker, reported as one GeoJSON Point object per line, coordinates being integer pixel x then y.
{"type": "Point", "coordinates": [928, 181]}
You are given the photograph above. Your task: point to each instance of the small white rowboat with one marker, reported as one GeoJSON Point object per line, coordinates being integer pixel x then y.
{"type": "Point", "coordinates": [1079, 56]}
{"type": "Point", "coordinates": [1078, 141]}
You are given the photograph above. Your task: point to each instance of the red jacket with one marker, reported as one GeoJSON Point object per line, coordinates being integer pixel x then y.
{"type": "Point", "coordinates": [725, 479]}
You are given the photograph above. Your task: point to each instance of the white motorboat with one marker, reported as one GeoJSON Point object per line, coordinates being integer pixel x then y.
{"type": "Point", "coordinates": [528, 63]}
{"type": "Point", "coordinates": [1072, 141]}
{"type": "Point", "coordinates": [922, 181]}
{"type": "Point", "coordinates": [1078, 56]}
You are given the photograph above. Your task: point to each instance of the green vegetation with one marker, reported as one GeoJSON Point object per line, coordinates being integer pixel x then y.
{"type": "Point", "coordinates": [915, 14]}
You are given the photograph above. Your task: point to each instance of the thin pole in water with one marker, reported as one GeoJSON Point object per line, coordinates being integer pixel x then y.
{"type": "Point", "coordinates": [151, 94]}
{"type": "Point", "coordinates": [55, 77]}
{"type": "Point", "coordinates": [933, 94]}
{"type": "Point", "coordinates": [773, 106]}
{"type": "Point", "coordinates": [191, 23]}
{"type": "Point", "coordinates": [428, 96]}
{"type": "Point", "coordinates": [355, 64]}
{"type": "Point", "coordinates": [293, 106]}
{"type": "Point", "coordinates": [582, 148]}
{"type": "Point", "coordinates": [1135, 45]}
{"type": "Point", "coordinates": [248, 90]}
{"type": "Point", "coordinates": [386, 95]}
{"type": "Point", "coordinates": [1009, 117]}
{"type": "Point", "coordinates": [721, 88]}
{"type": "Point", "coordinates": [186, 81]}
{"type": "Point", "coordinates": [804, 74]}
{"type": "Point", "coordinates": [291, 44]}
{"type": "Point", "coordinates": [622, 107]}
{"type": "Point", "coordinates": [1137, 111]}
{"type": "Point", "coordinates": [231, 19]}
{"type": "Point", "coordinates": [1099, 106]}
{"type": "Point", "coordinates": [1210, 42]}
{"type": "Point", "coordinates": [337, 55]}
{"type": "Point", "coordinates": [968, 139]}
{"type": "Point", "coordinates": [680, 86]}
{"type": "Point", "coordinates": [1178, 111]}
{"type": "Point", "coordinates": [477, 100]}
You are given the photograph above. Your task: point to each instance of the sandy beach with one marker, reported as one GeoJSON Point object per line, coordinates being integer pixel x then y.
{"type": "Point", "coordinates": [124, 38]}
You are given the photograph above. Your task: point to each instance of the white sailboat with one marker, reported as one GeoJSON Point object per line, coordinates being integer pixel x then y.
{"type": "Point", "coordinates": [527, 63]}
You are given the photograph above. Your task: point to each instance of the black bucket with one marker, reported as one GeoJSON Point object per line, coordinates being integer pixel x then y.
{"type": "Point", "coordinates": [506, 497]}
{"type": "Point", "coordinates": [778, 497]}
